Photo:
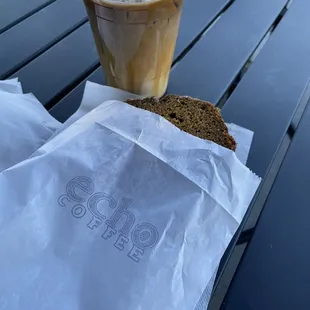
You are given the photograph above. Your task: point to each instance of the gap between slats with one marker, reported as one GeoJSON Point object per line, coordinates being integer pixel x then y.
{"type": "Point", "coordinates": [36, 10]}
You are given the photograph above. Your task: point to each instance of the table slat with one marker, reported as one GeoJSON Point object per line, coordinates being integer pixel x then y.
{"type": "Point", "coordinates": [197, 15]}
{"type": "Point", "coordinates": [31, 36]}
{"type": "Point", "coordinates": [50, 74]}
{"type": "Point", "coordinates": [208, 70]}
{"type": "Point", "coordinates": [267, 97]}
{"type": "Point", "coordinates": [274, 272]}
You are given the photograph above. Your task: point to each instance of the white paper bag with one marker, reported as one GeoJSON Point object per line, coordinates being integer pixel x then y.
{"type": "Point", "coordinates": [11, 86]}
{"type": "Point", "coordinates": [25, 125]}
{"type": "Point", "coordinates": [122, 210]}
{"type": "Point", "coordinates": [95, 94]}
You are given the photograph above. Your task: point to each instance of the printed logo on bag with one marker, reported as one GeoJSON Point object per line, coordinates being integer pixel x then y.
{"type": "Point", "coordinates": [121, 226]}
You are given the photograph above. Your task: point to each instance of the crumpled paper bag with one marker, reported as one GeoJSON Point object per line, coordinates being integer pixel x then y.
{"type": "Point", "coordinates": [25, 124]}
{"type": "Point", "coordinates": [121, 210]}
{"type": "Point", "coordinates": [95, 94]}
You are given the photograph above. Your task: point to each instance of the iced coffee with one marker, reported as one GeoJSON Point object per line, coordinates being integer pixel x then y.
{"type": "Point", "coordinates": [136, 41]}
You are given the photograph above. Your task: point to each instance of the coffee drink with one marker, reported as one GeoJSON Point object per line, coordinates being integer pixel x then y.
{"type": "Point", "coordinates": [136, 42]}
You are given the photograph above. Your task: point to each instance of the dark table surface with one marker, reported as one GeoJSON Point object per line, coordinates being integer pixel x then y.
{"type": "Point", "coordinates": [249, 57]}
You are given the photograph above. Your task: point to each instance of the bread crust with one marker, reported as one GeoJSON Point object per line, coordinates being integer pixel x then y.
{"type": "Point", "coordinates": [194, 116]}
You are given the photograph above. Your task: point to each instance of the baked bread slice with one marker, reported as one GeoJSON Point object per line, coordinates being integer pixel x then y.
{"type": "Point", "coordinates": [194, 116]}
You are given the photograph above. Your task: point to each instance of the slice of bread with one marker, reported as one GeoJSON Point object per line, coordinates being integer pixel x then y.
{"type": "Point", "coordinates": [199, 118]}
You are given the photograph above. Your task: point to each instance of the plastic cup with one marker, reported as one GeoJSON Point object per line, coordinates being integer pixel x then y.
{"type": "Point", "coordinates": [136, 42]}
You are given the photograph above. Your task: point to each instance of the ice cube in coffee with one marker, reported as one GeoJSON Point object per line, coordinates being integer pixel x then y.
{"type": "Point", "coordinates": [136, 42]}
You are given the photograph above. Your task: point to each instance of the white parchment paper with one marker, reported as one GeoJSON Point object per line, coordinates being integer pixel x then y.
{"type": "Point", "coordinates": [121, 210]}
